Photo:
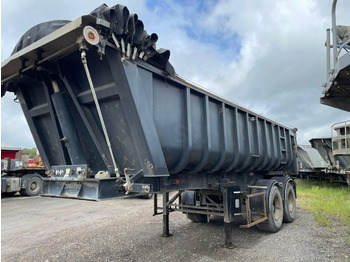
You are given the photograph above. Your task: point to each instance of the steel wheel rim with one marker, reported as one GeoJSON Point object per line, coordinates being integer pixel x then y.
{"type": "Point", "coordinates": [276, 208]}
{"type": "Point", "coordinates": [291, 204]}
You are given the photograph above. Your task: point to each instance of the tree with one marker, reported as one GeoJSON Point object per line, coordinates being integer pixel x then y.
{"type": "Point", "coordinates": [30, 152]}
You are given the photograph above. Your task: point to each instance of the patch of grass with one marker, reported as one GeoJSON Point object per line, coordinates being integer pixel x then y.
{"type": "Point", "coordinates": [329, 202]}
{"type": "Point", "coordinates": [322, 221]}
{"type": "Point", "coordinates": [347, 241]}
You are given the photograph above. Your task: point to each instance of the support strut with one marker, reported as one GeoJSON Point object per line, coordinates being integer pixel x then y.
{"type": "Point", "coordinates": [92, 88]}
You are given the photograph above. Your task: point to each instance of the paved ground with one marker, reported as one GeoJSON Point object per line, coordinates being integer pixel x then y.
{"type": "Point", "coordinates": [53, 229]}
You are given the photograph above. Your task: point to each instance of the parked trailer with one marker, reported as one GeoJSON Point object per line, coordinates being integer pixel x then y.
{"type": "Point", "coordinates": [310, 163]}
{"type": "Point", "coordinates": [319, 162]}
{"type": "Point", "coordinates": [111, 118]}
{"type": "Point", "coordinates": [338, 169]}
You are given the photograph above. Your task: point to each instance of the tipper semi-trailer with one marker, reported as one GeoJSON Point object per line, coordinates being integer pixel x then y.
{"type": "Point", "coordinates": [111, 118]}
{"type": "Point", "coordinates": [325, 158]}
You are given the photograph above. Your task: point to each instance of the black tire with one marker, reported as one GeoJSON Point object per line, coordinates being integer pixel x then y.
{"type": "Point", "coordinates": [274, 212]}
{"type": "Point", "coordinates": [33, 187]}
{"type": "Point", "coordinates": [289, 210]}
{"type": "Point", "coordinates": [189, 198]}
{"type": "Point", "coordinates": [197, 218]}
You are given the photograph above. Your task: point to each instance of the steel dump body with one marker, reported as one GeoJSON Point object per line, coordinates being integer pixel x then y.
{"type": "Point", "coordinates": [160, 126]}
{"type": "Point", "coordinates": [336, 89]}
{"type": "Point", "coordinates": [153, 118]}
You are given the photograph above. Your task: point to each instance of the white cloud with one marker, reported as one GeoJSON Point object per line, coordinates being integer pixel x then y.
{"type": "Point", "coordinates": [282, 60]}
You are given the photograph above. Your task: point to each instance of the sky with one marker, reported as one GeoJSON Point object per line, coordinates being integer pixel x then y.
{"type": "Point", "coordinates": [267, 56]}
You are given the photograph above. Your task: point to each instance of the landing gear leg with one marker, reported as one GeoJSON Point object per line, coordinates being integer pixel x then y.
{"type": "Point", "coordinates": [229, 197]}
{"type": "Point", "coordinates": [166, 215]}
{"type": "Point", "coordinates": [228, 236]}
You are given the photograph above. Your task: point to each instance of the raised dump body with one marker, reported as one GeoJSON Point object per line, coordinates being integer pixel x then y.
{"type": "Point", "coordinates": [336, 89]}
{"type": "Point", "coordinates": [336, 93]}
{"type": "Point", "coordinates": [111, 118]}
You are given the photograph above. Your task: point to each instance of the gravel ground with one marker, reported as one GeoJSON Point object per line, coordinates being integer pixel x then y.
{"type": "Point", "coordinates": [53, 229]}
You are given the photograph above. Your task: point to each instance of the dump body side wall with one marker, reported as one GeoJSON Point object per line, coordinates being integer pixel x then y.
{"type": "Point", "coordinates": [215, 135]}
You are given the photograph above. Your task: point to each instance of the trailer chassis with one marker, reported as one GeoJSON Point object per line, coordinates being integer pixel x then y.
{"type": "Point", "coordinates": [211, 207]}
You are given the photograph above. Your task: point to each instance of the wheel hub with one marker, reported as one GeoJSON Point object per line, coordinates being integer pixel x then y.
{"type": "Point", "coordinates": [33, 186]}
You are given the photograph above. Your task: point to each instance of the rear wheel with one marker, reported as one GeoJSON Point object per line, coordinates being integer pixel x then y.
{"type": "Point", "coordinates": [189, 198]}
{"type": "Point", "coordinates": [274, 212]}
{"type": "Point", "coordinates": [289, 204]}
{"type": "Point", "coordinates": [33, 187]}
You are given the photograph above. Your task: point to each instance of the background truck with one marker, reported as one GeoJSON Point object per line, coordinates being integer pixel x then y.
{"type": "Point", "coordinates": [22, 174]}
{"type": "Point", "coordinates": [111, 118]}
{"type": "Point", "coordinates": [322, 160]}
